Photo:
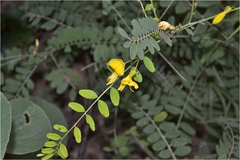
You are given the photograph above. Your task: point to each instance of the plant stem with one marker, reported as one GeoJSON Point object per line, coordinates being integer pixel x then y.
{"type": "Point", "coordinates": [143, 10]}
{"type": "Point", "coordinates": [190, 19]}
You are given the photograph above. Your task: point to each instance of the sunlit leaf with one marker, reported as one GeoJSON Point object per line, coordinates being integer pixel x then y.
{"type": "Point", "coordinates": [103, 108]}
{"type": "Point", "coordinates": [77, 134]}
{"type": "Point", "coordinates": [76, 107]}
{"type": "Point", "coordinates": [88, 94]}
{"type": "Point", "coordinates": [90, 121]}
{"type": "Point", "coordinates": [114, 96]}
{"type": "Point", "coordinates": [53, 136]}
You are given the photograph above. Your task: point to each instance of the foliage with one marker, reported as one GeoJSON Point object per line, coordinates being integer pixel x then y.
{"type": "Point", "coordinates": [181, 66]}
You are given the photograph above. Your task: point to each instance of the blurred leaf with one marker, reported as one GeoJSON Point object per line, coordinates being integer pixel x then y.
{"type": "Point", "coordinates": [62, 87]}
{"type": "Point", "coordinates": [187, 128]}
{"type": "Point", "coordinates": [133, 50]}
{"type": "Point", "coordinates": [149, 129]}
{"type": "Point", "coordinates": [50, 144]}
{"type": "Point", "coordinates": [27, 117]}
{"type": "Point", "coordinates": [60, 128]}
{"type": "Point", "coordinates": [161, 116]}
{"type": "Point", "coordinates": [165, 154]}
{"type": "Point", "coordinates": [6, 121]}
{"type": "Point", "coordinates": [158, 146]}
{"type": "Point", "coordinates": [122, 32]}
{"type": "Point", "coordinates": [142, 122]}
{"type": "Point", "coordinates": [153, 137]}
{"type": "Point", "coordinates": [183, 151]}
{"type": "Point", "coordinates": [167, 126]}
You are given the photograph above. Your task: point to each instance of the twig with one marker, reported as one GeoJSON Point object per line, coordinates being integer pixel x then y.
{"type": "Point", "coordinates": [166, 10]}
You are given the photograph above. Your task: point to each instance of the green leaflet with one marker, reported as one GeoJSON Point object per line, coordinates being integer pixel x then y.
{"type": "Point", "coordinates": [187, 128]}
{"type": "Point", "coordinates": [183, 150]}
{"type": "Point", "coordinates": [53, 136]}
{"type": "Point", "coordinates": [114, 96]}
{"type": "Point", "coordinates": [160, 116]}
{"type": "Point", "coordinates": [77, 134]}
{"type": "Point", "coordinates": [148, 64]}
{"type": "Point", "coordinates": [90, 122]}
{"type": "Point", "coordinates": [47, 150]}
{"type": "Point", "coordinates": [50, 144]}
{"type": "Point", "coordinates": [88, 94]}
{"type": "Point", "coordinates": [76, 107]}
{"type": "Point", "coordinates": [103, 108]}
{"type": "Point", "coordinates": [63, 151]}
{"type": "Point", "coordinates": [60, 128]}
{"type": "Point", "coordinates": [122, 32]}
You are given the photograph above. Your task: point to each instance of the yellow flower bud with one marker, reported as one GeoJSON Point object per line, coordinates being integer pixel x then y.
{"type": "Point", "coordinates": [163, 25]}
{"type": "Point", "coordinates": [219, 18]}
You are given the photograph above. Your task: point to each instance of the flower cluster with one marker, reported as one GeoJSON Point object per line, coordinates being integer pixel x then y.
{"type": "Point", "coordinates": [117, 67]}
{"type": "Point", "coordinates": [163, 25]}
{"type": "Point", "coordinates": [221, 15]}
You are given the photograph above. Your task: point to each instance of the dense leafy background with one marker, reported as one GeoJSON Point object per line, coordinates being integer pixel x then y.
{"type": "Point", "coordinates": [78, 38]}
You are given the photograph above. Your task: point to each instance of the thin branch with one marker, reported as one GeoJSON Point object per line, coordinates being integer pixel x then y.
{"type": "Point", "coordinates": [166, 10]}
{"type": "Point", "coordinates": [233, 142]}
{"type": "Point", "coordinates": [158, 130]}
{"type": "Point", "coordinates": [61, 71]}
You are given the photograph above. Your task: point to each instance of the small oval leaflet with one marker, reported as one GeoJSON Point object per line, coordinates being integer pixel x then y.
{"type": "Point", "coordinates": [60, 128]}
{"type": "Point", "coordinates": [47, 150]}
{"type": "Point", "coordinates": [48, 156]}
{"type": "Point", "coordinates": [53, 136]}
{"type": "Point", "coordinates": [103, 108]}
{"type": "Point", "coordinates": [183, 151]}
{"type": "Point", "coordinates": [50, 144]}
{"type": "Point", "coordinates": [88, 94]}
{"type": "Point", "coordinates": [90, 121]}
{"type": "Point", "coordinates": [114, 96]}
{"type": "Point", "coordinates": [63, 151]}
{"type": "Point", "coordinates": [148, 64]}
{"type": "Point", "coordinates": [187, 128]}
{"type": "Point", "coordinates": [76, 107]}
{"type": "Point", "coordinates": [161, 116]}
{"type": "Point", "coordinates": [77, 134]}
{"type": "Point", "coordinates": [123, 33]}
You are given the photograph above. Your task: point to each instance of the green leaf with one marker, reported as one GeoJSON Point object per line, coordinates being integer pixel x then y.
{"type": "Point", "coordinates": [165, 154]}
{"type": "Point", "coordinates": [90, 122]}
{"type": "Point", "coordinates": [27, 118]}
{"type": "Point", "coordinates": [154, 43]}
{"type": "Point", "coordinates": [172, 109]}
{"type": "Point", "coordinates": [76, 107]}
{"type": "Point", "coordinates": [140, 51]}
{"type": "Point", "coordinates": [108, 32]}
{"type": "Point", "coordinates": [153, 137]}
{"type": "Point", "coordinates": [48, 25]}
{"type": "Point", "coordinates": [123, 33]}
{"type": "Point", "coordinates": [127, 44]}
{"type": "Point", "coordinates": [48, 156]}
{"type": "Point", "coordinates": [103, 108]}
{"type": "Point", "coordinates": [6, 122]}
{"type": "Point", "coordinates": [133, 50]}
{"type": "Point", "coordinates": [62, 87]}
{"type": "Point", "coordinates": [53, 136]}
{"type": "Point", "coordinates": [60, 128]}
{"type": "Point", "coordinates": [88, 94]}
{"type": "Point", "coordinates": [67, 49]}
{"type": "Point", "coordinates": [149, 129]}
{"type": "Point", "coordinates": [137, 115]}
{"type": "Point", "coordinates": [142, 122]}
{"type": "Point", "coordinates": [54, 114]}
{"type": "Point", "coordinates": [161, 116]}
{"type": "Point", "coordinates": [167, 126]}
{"type": "Point", "coordinates": [189, 31]}
{"type": "Point", "coordinates": [63, 151]}
{"type": "Point", "coordinates": [138, 76]}
{"type": "Point", "coordinates": [183, 151]}
{"type": "Point", "coordinates": [72, 94]}
{"type": "Point", "coordinates": [149, 64]}
{"type": "Point", "coordinates": [50, 144]}
{"type": "Point", "coordinates": [187, 128]}
{"type": "Point", "coordinates": [114, 96]}
{"type": "Point", "coordinates": [47, 150]}
{"type": "Point", "coordinates": [223, 156]}
{"type": "Point", "coordinates": [77, 134]}
{"type": "Point", "coordinates": [158, 146]}
{"type": "Point", "coordinates": [172, 134]}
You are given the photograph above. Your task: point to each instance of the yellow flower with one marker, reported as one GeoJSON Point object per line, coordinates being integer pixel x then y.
{"type": "Point", "coordinates": [128, 81]}
{"type": "Point", "coordinates": [117, 66]}
{"type": "Point", "coordinates": [221, 15]}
